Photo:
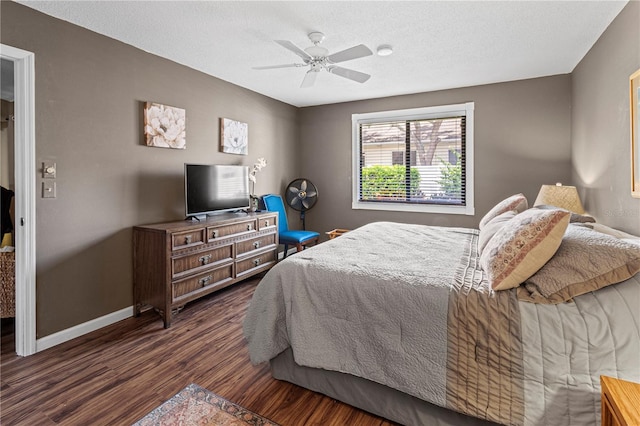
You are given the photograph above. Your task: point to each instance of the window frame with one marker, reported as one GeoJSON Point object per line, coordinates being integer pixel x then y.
{"type": "Point", "coordinates": [433, 112]}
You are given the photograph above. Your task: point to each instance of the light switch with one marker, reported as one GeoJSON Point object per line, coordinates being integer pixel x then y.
{"type": "Point", "coordinates": [48, 189]}
{"type": "Point", "coordinates": [49, 169]}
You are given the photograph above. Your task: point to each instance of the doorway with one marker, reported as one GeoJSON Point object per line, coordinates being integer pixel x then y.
{"type": "Point", "coordinates": [25, 196]}
{"type": "Point", "coordinates": [7, 212]}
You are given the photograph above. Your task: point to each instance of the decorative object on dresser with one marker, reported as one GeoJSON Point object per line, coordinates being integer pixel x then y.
{"type": "Point", "coordinates": [257, 166]}
{"type": "Point", "coordinates": [164, 126]}
{"type": "Point", "coordinates": [620, 402]}
{"type": "Point", "coordinates": [234, 137]}
{"type": "Point", "coordinates": [177, 262]}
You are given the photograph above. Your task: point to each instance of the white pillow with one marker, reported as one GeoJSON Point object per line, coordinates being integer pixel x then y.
{"type": "Point", "coordinates": [516, 202]}
{"type": "Point", "coordinates": [492, 227]}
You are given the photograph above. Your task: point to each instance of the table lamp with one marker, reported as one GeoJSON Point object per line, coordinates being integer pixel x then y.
{"type": "Point", "coordinates": [558, 195]}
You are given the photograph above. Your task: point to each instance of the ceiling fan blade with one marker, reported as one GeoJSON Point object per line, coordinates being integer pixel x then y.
{"type": "Point", "coordinates": [295, 49]}
{"type": "Point", "coordinates": [358, 76]}
{"type": "Point", "coordinates": [269, 67]}
{"type": "Point", "coordinates": [354, 52]}
{"type": "Point", "coordinates": [294, 190]}
{"type": "Point", "coordinates": [305, 204]}
{"type": "Point", "coordinates": [303, 186]}
{"type": "Point", "coordinates": [295, 202]}
{"type": "Point", "coordinates": [311, 194]}
{"type": "Point", "coordinates": [309, 78]}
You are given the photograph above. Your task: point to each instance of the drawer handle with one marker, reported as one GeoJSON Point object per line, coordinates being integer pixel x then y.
{"type": "Point", "coordinates": [214, 234]}
{"type": "Point", "coordinates": [249, 227]}
{"type": "Point", "coordinates": [266, 223]}
{"type": "Point", "coordinates": [205, 280]}
{"type": "Point", "coordinates": [187, 239]}
{"type": "Point", "coordinates": [257, 261]}
{"type": "Point", "coordinates": [256, 244]}
{"type": "Point", "coordinates": [205, 259]}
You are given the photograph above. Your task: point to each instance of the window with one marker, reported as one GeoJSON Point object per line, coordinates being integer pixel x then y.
{"type": "Point", "coordinates": [414, 160]}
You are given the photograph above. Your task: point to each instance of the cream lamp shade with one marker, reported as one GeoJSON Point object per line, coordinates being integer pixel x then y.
{"type": "Point", "coordinates": [558, 195]}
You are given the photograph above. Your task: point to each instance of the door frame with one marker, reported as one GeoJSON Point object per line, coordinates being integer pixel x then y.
{"type": "Point", "coordinates": [25, 196]}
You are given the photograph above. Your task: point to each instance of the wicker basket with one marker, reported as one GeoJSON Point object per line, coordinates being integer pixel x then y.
{"type": "Point", "coordinates": [7, 284]}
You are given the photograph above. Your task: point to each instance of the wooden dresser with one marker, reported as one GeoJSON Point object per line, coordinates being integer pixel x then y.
{"type": "Point", "coordinates": [620, 402]}
{"type": "Point", "coordinates": [177, 262]}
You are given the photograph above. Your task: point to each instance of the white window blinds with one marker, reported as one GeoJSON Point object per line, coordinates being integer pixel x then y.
{"type": "Point", "coordinates": [413, 157]}
{"type": "Point", "coordinates": [417, 161]}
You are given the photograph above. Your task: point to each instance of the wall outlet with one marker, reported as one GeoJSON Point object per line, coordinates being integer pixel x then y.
{"type": "Point", "coordinates": [48, 189]}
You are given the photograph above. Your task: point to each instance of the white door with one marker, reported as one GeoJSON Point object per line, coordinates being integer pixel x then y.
{"type": "Point", "coordinates": [25, 196]}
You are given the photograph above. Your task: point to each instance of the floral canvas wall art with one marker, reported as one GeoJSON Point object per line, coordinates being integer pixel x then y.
{"type": "Point", "coordinates": [164, 126]}
{"type": "Point", "coordinates": [234, 136]}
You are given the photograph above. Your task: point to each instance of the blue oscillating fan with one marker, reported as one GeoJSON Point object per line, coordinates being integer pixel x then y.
{"type": "Point", "coordinates": [301, 195]}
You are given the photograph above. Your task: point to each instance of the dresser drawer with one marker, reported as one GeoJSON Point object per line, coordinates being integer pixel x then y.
{"type": "Point", "coordinates": [180, 240]}
{"type": "Point", "coordinates": [267, 222]}
{"type": "Point", "coordinates": [244, 248]}
{"type": "Point", "coordinates": [259, 261]}
{"type": "Point", "coordinates": [188, 264]}
{"type": "Point", "coordinates": [233, 229]}
{"type": "Point", "coordinates": [207, 279]}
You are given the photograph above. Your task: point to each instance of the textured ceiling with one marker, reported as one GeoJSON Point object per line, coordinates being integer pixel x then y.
{"type": "Point", "coordinates": [437, 44]}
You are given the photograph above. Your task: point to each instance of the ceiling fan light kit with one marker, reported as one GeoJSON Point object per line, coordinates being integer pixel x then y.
{"type": "Point", "coordinates": [317, 58]}
{"type": "Point", "coordinates": [384, 50]}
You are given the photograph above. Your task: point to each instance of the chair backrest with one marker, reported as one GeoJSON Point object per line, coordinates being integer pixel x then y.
{"type": "Point", "coordinates": [274, 203]}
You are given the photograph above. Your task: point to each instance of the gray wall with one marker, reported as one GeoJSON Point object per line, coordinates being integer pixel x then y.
{"type": "Point", "coordinates": [600, 141]}
{"type": "Point", "coordinates": [522, 140]}
{"type": "Point", "coordinates": [90, 90]}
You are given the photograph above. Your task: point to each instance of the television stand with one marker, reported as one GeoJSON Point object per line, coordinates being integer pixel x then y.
{"type": "Point", "coordinates": [177, 262]}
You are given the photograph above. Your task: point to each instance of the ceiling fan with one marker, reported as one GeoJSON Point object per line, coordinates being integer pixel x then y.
{"type": "Point", "coordinates": [317, 58]}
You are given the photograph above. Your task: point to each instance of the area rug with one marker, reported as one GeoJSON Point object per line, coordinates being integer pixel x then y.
{"type": "Point", "coordinates": [194, 405]}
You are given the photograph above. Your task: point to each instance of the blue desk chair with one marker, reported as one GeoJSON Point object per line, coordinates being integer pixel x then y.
{"type": "Point", "coordinates": [274, 203]}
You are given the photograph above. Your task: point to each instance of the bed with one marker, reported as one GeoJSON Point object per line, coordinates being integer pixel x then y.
{"type": "Point", "coordinates": [404, 321]}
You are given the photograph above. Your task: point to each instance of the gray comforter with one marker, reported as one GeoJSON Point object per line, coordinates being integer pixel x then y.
{"type": "Point", "coordinates": [406, 306]}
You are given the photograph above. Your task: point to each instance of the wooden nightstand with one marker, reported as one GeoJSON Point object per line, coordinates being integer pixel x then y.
{"type": "Point", "coordinates": [620, 402]}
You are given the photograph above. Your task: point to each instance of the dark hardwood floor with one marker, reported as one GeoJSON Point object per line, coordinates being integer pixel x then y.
{"type": "Point", "coordinates": [116, 375]}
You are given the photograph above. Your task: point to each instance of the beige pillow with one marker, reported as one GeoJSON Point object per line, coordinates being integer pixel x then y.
{"type": "Point", "coordinates": [516, 202]}
{"type": "Point", "coordinates": [586, 261]}
{"type": "Point", "coordinates": [523, 246]}
{"type": "Point", "coordinates": [493, 226]}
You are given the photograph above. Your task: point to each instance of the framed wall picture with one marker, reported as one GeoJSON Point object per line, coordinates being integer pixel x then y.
{"type": "Point", "coordinates": [635, 134]}
{"type": "Point", "coordinates": [234, 136]}
{"type": "Point", "coordinates": [164, 126]}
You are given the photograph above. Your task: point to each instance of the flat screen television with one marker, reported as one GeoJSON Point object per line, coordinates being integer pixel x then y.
{"type": "Point", "coordinates": [213, 188]}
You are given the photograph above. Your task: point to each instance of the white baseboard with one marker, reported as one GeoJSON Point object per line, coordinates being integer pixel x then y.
{"type": "Point", "coordinates": [82, 329]}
